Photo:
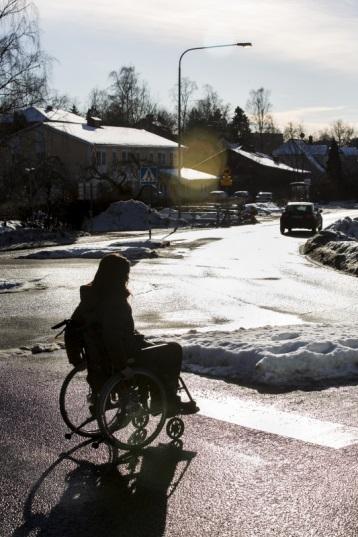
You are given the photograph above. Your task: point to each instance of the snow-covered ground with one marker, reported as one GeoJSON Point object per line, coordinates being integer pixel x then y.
{"type": "Point", "coordinates": [336, 245]}
{"type": "Point", "coordinates": [132, 249]}
{"type": "Point", "coordinates": [14, 235]}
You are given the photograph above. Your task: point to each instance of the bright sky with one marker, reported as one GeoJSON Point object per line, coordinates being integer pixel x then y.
{"type": "Point", "coordinates": [304, 52]}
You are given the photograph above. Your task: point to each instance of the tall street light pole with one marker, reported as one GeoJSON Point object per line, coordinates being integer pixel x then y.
{"type": "Point", "coordinates": [179, 95]}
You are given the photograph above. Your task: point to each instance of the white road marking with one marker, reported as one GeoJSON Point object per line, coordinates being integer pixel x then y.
{"type": "Point", "coordinates": [287, 424]}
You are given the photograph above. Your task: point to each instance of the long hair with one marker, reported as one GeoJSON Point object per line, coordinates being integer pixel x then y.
{"type": "Point", "coordinates": [112, 276]}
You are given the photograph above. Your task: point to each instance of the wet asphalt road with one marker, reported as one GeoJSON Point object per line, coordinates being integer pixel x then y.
{"type": "Point", "coordinates": [246, 276]}
{"type": "Point", "coordinates": [227, 480]}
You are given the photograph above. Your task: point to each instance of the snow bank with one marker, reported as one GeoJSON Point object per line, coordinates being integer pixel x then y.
{"type": "Point", "coordinates": [132, 250]}
{"type": "Point", "coordinates": [265, 208]}
{"type": "Point", "coordinates": [348, 226]}
{"type": "Point", "coordinates": [336, 245]}
{"type": "Point", "coordinates": [11, 225]}
{"type": "Point", "coordinates": [275, 356]}
{"type": "Point", "coordinates": [130, 216]}
{"type": "Point", "coordinates": [13, 235]}
{"type": "Point", "coordinates": [16, 286]}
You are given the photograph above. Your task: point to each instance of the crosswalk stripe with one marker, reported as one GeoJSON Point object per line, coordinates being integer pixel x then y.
{"type": "Point", "coordinates": [270, 420]}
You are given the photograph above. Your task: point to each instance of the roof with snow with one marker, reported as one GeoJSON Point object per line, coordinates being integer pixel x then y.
{"type": "Point", "coordinates": [123, 136]}
{"type": "Point", "coordinates": [299, 147]}
{"type": "Point", "coordinates": [189, 174]}
{"type": "Point", "coordinates": [265, 160]}
{"type": "Point", "coordinates": [35, 114]}
{"type": "Point", "coordinates": [296, 147]}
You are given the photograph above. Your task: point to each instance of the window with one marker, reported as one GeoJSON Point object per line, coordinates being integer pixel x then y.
{"type": "Point", "coordinates": [151, 157]}
{"type": "Point", "coordinates": [101, 158]}
{"type": "Point", "coordinates": [124, 155]}
{"type": "Point", "coordinates": [161, 158]}
{"type": "Point", "coordinates": [171, 159]}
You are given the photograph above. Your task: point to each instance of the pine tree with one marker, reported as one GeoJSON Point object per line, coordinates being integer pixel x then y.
{"type": "Point", "coordinates": [239, 127]}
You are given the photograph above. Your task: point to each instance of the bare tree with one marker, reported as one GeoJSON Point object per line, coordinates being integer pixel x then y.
{"type": "Point", "coordinates": [259, 107]}
{"type": "Point", "coordinates": [292, 131]}
{"type": "Point", "coordinates": [341, 132]}
{"type": "Point", "coordinates": [99, 102]}
{"type": "Point", "coordinates": [130, 98]}
{"type": "Point", "coordinates": [61, 101]}
{"type": "Point", "coordinates": [187, 88]}
{"type": "Point", "coordinates": [23, 65]}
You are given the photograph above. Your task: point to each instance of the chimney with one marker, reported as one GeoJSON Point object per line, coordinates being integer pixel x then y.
{"type": "Point", "coordinates": [93, 121]}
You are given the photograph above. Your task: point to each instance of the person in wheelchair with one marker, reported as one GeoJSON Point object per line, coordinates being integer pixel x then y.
{"type": "Point", "coordinates": [111, 341]}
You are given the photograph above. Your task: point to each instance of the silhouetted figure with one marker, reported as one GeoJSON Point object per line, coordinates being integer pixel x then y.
{"type": "Point", "coordinates": [105, 316]}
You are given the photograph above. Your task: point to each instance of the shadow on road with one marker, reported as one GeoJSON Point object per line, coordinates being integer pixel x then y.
{"type": "Point", "coordinates": [126, 496]}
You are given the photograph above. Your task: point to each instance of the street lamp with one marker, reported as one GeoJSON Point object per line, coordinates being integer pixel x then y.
{"type": "Point", "coordinates": [179, 92]}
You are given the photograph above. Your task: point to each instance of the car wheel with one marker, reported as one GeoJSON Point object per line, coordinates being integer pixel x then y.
{"type": "Point", "coordinates": [282, 229]}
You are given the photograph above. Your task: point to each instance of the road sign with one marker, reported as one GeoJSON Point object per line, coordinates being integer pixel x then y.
{"type": "Point", "coordinates": [226, 179]}
{"type": "Point", "coordinates": [148, 175]}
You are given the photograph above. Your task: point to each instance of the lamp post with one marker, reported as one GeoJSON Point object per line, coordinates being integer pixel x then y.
{"type": "Point", "coordinates": [179, 94]}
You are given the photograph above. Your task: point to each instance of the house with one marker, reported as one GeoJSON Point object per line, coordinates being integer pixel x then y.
{"type": "Point", "coordinates": [313, 157]}
{"type": "Point", "coordinates": [89, 151]}
{"type": "Point", "coordinates": [252, 171]}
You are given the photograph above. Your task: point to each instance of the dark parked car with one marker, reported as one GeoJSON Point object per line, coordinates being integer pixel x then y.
{"type": "Point", "coordinates": [301, 215]}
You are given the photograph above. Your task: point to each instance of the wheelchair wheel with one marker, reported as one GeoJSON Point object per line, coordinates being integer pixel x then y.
{"type": "Point", "coordinates": [132, 411]}
{"type": "Point", "coordinates": [175, 428]}
{"type": "Point", "coordinates": [74, 406]}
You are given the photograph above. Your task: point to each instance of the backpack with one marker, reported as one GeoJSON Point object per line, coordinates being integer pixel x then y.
{"type": "Point", "coordinates": [74, 342]}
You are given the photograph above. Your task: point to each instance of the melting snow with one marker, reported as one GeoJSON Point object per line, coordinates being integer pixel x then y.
{"type": "Point", "coordinates": [336, 245]}
{"type": "Point", "coordinates": [274, 356]}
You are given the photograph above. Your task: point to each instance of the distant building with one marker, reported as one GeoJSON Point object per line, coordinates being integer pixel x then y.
{"type": "Point", "coordinates": [251, 171]}
{"type": "Point", "coordinates": [313, 157]}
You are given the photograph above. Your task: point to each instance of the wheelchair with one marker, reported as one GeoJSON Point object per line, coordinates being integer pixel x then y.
{"type": "Point", "coordinates": [129, 413]}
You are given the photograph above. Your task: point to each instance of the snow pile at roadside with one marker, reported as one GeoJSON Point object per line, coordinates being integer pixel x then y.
{"type": "Point", "coordinates": [16, 236]}
{"type": "Point", "coordinates": [348, 226]}
{"type": "Point", "coordinates": [133, 250]}
{"type": "Point", "coordinates": [16, 286]}
{"type": "Point", "coordinates": [265, 208]}
{"type": "Point", "coordinates": [11, 225]}
{"type": "Point", "coordinates": [336, 245]}
{"type": "Point", "coordinates": [275, 356]}
{"type": "Point", "coordinates": [130, 215]}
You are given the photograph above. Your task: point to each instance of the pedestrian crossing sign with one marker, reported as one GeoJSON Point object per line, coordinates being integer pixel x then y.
{"type": "Point", "coordinates": [148, 175]}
